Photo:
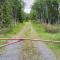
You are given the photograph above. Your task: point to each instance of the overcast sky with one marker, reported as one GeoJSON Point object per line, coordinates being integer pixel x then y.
{"type": "Point", "coordinates": [28, 4]}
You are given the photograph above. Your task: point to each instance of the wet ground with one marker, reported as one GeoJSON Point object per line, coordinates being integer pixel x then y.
{"type": "Point", "coordinates": [12, 52]}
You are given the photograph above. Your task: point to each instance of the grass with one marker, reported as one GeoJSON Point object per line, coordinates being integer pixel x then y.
{"type": "Point", "coordinates": [45, 35]}
{"type": "Point", "coordinates": [48, 36]}
{"type": "Point", "coordinates": [12, 31]}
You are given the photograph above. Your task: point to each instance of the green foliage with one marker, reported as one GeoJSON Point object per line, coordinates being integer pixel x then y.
{"type": "Point", "coordinates": [13, 31]}
{"type": "Point", "coordinates": [46, 11]}
{"type": "Point", "coordinates": [6, 15]}
{"type": "Point", "coordinates": [44, 34]}
{"type": "Point", "coordinates": [10, 13]}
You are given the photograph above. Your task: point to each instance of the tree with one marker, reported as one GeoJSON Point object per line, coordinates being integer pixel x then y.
{"type": "Point", "coordinates": [53, 11]}
{"type": "Point", "coordinates": [10, 13]}
{"type": "Point", "coordinates": [46, 11]}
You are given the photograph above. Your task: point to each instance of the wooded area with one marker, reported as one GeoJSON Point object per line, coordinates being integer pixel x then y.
{"type": "Point", "coordinates": [10, 13]}
{"type": "Point", "coordinates": [43, 11]}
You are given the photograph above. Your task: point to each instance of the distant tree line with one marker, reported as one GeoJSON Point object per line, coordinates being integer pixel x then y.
{"type": "Point", "coordinates": [46, 11]}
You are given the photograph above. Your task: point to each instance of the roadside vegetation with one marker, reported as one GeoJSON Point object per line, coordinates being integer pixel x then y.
{"type": "Point", "coordinates": [47, 32]}
{"type": "Point", "coordinates": [12, 31]}
{"type": "Point", "coordinates": [10, 18]}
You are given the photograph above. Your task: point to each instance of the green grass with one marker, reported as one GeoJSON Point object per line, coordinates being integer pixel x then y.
{"type": "Point", "coordinates": [13, 31]}
{"type": "Point", "coordinates": [45, 35]}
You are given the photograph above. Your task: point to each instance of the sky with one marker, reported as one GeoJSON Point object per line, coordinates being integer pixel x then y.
{"type": "Point", "coordinates": [28, 4]}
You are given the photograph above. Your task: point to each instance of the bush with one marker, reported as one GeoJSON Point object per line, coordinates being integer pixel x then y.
{"type": "Point", "coordinates": [51, 28]}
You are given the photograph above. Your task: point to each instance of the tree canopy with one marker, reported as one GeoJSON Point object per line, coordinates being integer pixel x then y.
{"type": "Point", "coordinates": [46, 11]}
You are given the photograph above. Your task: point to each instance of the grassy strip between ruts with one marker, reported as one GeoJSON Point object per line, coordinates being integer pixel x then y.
{"type": "Point", "coordinates": [48, 36]}
{"type": "Point", "coordinates": [13, 31]}
{"type": "Point", "coordinates": [28, 50]}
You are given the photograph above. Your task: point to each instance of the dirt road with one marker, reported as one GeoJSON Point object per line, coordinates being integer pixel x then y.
{"type": "Point", "coordinates": [13, 52]}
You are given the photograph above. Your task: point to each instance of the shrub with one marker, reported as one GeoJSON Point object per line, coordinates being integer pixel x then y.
{"type": "Point", "coordinates": [51, 28]}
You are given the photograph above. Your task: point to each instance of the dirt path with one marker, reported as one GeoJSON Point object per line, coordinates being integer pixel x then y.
{"type": "Point", "coordinates": [13, 52]}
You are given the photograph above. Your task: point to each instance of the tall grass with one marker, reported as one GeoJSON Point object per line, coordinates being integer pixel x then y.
{"type": "Point", "coordinates": [48, 32]}
{"type": "Point", "coordinates": [51, 28]}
